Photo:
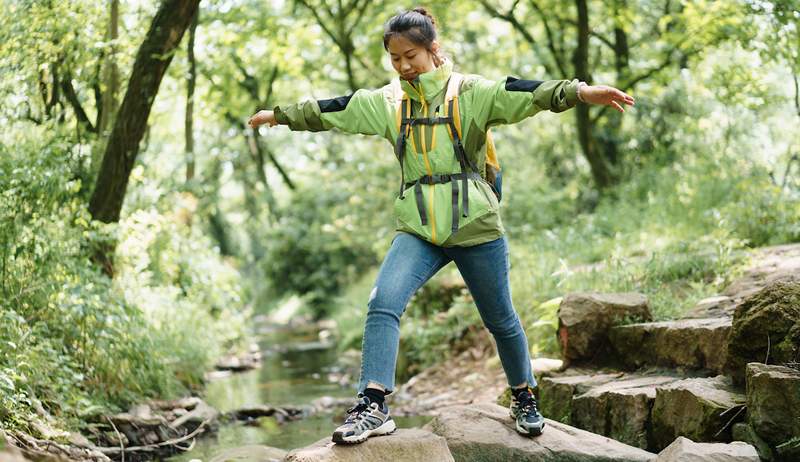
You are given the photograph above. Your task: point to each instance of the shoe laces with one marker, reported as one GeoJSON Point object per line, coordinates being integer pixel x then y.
{"type": "Point", "coordinates": [527, 402]}
{"type": "Point", "coordinates": [357, 411]}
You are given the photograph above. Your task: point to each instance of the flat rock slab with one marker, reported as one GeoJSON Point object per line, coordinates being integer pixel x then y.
{"type": "Point", "coordinates": [685, 450]}
{"type": "Point", "coordinates": [485, 432]}
{"type": "Point", "coordinates": [703, 409]}
{"type": "Point", "coordinates": [686, 343]}
{"type": "Point", "coordinates": [404, 445]}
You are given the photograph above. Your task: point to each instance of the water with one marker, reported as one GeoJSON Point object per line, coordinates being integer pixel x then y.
{"type": "Point", "coordinates": [295, 371]}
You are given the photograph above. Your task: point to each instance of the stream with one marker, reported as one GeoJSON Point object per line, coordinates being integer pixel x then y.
{"type": "Point", "coordinates": [296, 368]}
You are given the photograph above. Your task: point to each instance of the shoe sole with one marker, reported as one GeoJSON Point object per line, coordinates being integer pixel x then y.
{"type": "Point", "coordinates": [387, 428]}
{"type": "Point", "coordinates": [529, 431]}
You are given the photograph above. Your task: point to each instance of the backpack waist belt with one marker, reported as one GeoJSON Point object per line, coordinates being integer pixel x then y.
{"type": "Point", "coordinates": [451, 178]}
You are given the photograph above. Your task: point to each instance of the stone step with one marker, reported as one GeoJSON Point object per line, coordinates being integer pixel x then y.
{"type": "Point", "coordinates": [699, 344]}
{"type": "Point", "coordinates": [643, 409]}
{"type": "Point", "coordinates": [486, 432]}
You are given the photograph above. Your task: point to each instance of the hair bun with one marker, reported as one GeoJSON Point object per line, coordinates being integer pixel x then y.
{"type": "Point", "coordinates": [424, 12]}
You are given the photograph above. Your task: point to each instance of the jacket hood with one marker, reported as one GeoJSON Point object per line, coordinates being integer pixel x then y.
{"type": "Point", "coordinates": [428, 85]}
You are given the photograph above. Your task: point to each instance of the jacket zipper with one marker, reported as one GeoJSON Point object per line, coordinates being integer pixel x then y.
{"type": "Point", "coordinates": [431, 214]}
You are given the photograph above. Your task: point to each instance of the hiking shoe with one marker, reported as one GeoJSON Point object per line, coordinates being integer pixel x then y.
{"type": "Point", "coordinates": [365, 419]}
{"type": "Point", "coordinates": [526, 413]}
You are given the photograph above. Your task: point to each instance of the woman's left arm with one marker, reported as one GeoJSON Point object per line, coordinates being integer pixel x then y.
{"type": "Point", "coordinates": [512, 100]}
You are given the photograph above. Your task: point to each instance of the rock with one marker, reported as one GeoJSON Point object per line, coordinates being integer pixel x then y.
{"type": "Point", "coordinates": [584, 320]}
{"type": "Point", "coordinates": [745, 433]}
{"type": "Point", "coordinates": [685, 450]}
{"type": "Point", "coordinates": [404, 445]}
{"type": "Point", "coordinates": [702, 409]}
{"type": "Point", "coordinates": [686, 343]}
{"type": "Point", "coordinates": [485, 432]}
{"type": "Point", "coordinates": [201, 413]}
{"type": "Point", "coordinates": [773, 402]}
{"type": "Point", "coordinates": [240, 362]}
{"type": "Point", "coordinates": [766, 328]}
{"type": "Point", "coordinates": [250, 453]}
{"type": "Point", "coordinates": [541, 366]}
{"type": "Point", "coordinates": [788, 451]}
{"type": "Point", "coordinates": [555, 393]}
{"type": "Point", "coordinates": [331, 404]}
{"type": "Point", "coordinates": [282, 413]}
{"type": "Point", "coordinates": [713, 307]}
{"type": "Point", "coordinates": [620, 409]}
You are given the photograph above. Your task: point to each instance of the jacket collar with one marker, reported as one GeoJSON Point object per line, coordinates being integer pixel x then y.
{"type": "Point", "coordinates": [432, 83]}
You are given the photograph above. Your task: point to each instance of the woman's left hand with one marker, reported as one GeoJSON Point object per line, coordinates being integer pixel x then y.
{"type": "Point", "coordinates": [609, 96]}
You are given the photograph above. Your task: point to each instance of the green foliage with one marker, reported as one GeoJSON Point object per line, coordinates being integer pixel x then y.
{"type": "Point", "coordinates": [318, 248]}
{"type": "Point", "coordinates": [72, 341]}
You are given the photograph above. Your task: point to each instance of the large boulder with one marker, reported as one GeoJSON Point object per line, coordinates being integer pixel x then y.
{"type": "Point", "coordinates": [404, 445]}
{"type": "Point", "coordinates": [766, 328]}
{"type": "Point", "coordinates": [485, 432]}
{"type": "Point", "coordinates": [685, 343]}
{"type": "Point", "coordinates": [584, 320]}
{"type": "Point", "coordinates": [702, 409]}
{"type": "Point", "coordinates": [773, 402]}
{"type": "Point", "coordinates": [686, 450]}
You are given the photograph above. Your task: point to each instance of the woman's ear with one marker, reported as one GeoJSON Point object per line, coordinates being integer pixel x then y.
{"type": "Point", "coordinates": [435, 49]}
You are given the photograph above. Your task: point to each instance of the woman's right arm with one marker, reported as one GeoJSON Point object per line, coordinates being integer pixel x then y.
{"type": "Point", "coordinates": [367, 112]}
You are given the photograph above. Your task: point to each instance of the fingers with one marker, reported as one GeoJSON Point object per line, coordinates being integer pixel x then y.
{"type": "Point", "coordinates": [623, 97]}
{"type": "Point", "coordinates": [617, 106]}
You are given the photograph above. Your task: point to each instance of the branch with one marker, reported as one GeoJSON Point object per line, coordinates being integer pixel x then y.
{"type": "Point", "coordinates": [511, 19]}
{"type": "Point", "coordinates": [270, 84]}
{"type": "Point", "coordinates": [644, 75]}
{"type": "Point", "coordinates": [557, 54]}
{"type": "Point", "coordinates": [278, 166]}
{"type": "Point", "coordinates": [72, 98]}
{"type": "Point", "coordinates": [152, 447]}
{"type": "Point", "coordinates": [796, 92]}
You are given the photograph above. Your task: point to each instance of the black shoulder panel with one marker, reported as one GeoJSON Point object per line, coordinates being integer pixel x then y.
{"type": "Point", "coordinates": [515, 84]}
{"type": "Point", "coordinates": [334, 104]}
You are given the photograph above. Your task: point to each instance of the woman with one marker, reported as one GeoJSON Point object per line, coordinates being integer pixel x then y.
{"type": "Point", "coordinates": [447, 208]}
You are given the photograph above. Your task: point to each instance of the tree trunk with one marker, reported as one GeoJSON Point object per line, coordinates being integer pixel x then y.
{"type": "Point", "coordinates": [152, 60]}
{"type": "Point", "coordinates": [580, 60]}
{"type": "Point", "coordinates": [189, 121]}
{"type": "Point", "coordinates": [109, 96]}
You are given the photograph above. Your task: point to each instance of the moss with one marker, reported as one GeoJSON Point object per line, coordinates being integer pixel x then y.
{"type": "Point", "coordinates": [766, 328]}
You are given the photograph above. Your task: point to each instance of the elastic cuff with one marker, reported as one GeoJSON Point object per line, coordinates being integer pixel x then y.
{"type": "Point", "coordinates": [572, 92]}
{"type": "Point", "coordinates": [280, 116]}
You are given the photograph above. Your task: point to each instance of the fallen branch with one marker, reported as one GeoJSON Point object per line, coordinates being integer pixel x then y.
{"type": "Point", "coordinates": [153, 447]}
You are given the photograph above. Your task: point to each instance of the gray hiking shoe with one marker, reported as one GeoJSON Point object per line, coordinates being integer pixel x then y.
{"type": "Point", "coordinates": [365, 419]}
{"type": "Point", "coordinates": [529, 421]}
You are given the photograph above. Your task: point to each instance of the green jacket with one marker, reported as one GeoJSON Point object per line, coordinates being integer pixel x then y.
{"type": "Point", "coordinates": [429, 150]}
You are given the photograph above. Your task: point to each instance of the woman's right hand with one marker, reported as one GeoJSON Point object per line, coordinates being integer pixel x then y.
{"type": "Point", "coordinates": [261, 118]}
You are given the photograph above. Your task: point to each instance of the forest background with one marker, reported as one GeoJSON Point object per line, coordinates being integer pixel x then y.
{"type": "Point", "coordinates": [137, 209]}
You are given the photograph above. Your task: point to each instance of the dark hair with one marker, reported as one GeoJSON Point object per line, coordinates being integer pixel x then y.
{"type": "Point", "coordinates": [417, 25]}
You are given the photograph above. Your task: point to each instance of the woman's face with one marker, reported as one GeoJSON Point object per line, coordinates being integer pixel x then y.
{"type": "Point", "coordinates": [409, 59]}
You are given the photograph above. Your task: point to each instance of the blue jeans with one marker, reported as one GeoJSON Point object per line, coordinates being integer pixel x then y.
{"type": "Point", "coordinates": [410, 262]}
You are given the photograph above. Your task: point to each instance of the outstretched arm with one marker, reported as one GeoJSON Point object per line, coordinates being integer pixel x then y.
{"type": "Point", "coordinates": [512, 100]}
{"type": "Point", "coordinates": [364, 112]}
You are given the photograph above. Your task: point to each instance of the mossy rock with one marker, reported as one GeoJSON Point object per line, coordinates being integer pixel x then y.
{"type": "Point", "coordinates": [766, 328]}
